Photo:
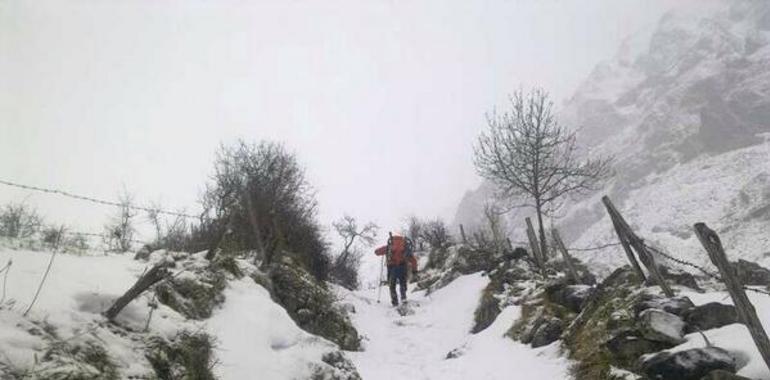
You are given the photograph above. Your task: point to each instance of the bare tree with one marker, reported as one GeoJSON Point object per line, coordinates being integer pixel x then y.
{"type": "Point", "coordinates": [413, 230]}
{"type": "Point", "coordinates": [348, 229]}
{"type": "Point", "coordinates": [496, 225]}
{"type": "Point", "coordinates": [120, 230]}
{"type": "Point", "coordinates": [436, 234]}
{"type": "Point", "coordinates": [17, 220]}
{"type": "Point", "coordinates": [259, 199]}
{"type": "Point", "coordinates": [527, 154]}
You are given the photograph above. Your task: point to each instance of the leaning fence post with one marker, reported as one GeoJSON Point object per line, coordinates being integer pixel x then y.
{"type": "Point", "coordinates": [626, 233]}
{"type": "Point", "coordinates": [534, 245]}
{"type": "Point", "coordinates": [153, 276]}
{"type": "Point", "coordinates": [567, 259]}
{"type": "Point", "coordinates": [746, 312]}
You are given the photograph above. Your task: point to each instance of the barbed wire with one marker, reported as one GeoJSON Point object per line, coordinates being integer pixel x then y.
{"type": "Point", "coordinates": [585, 249]}
{"type": "Point", "coordinates": [684, 262]}
{"type": "Point", "coordinates": [95, 200]}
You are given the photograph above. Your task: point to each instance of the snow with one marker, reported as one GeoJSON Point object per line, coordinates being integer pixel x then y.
{"type": "Point", "coordinates": [76, 291]}
{"type": "Point", "coordinates": [416, 346]}
{"type": "Point", "coordinates": [734, 338]}
{"type": "Point", "coordinates": [257, 336]}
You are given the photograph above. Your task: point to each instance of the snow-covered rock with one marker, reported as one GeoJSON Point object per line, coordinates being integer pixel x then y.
{"type": "Point", "coordinates": [660, 326]}
{"type": "Point", "coordinates": [691, 364]}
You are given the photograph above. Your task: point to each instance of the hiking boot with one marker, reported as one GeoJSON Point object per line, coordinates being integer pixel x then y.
{"type": "Point", "coordinates": [394, 302]}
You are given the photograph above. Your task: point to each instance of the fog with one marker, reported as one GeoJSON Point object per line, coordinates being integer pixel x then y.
{"type": "Point", "coordinates": [380, 100]}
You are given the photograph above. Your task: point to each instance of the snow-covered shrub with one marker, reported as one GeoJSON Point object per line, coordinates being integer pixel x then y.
{"type": "Point", "coordinates": [17, 220]}
{"type": "Point", "coordinates": [311, 304]}
{"type": "Point", "coordinates": [196, 291]}
{"type": "Point", "coordinates": [188, 355]}
{"type": "Point", "coordinates": [260, 199]}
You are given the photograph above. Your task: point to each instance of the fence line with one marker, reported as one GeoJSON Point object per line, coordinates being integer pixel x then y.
{"type": "Point", "coordinates": [95, 200]}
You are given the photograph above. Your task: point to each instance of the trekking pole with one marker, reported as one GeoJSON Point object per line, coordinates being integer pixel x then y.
{"type": "Point", "coordinates": [379, 283]}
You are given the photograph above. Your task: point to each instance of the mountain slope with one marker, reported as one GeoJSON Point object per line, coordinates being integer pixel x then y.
{"type": "Point", "coordinates": [685, 111]}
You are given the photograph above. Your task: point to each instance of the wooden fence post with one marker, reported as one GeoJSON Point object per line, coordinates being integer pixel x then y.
{"type": "Point", "coordinates": [462, 234]}
{"type": "Point", "coordinates": [153, 276]}
{"type": "Point", "coordinates": [565, 255]}
{"type": "Point", "coordinates": [534, 246]}
{"type": "Point", "coordinates": [626, 233]}
{"type": "Point", "coordinates": [746, 312]}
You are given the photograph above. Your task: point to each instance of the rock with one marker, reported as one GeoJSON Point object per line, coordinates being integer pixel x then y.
{"type": "Point", "coordinates": [547, 333]}
{"type": "Point", "coordinates": [680, 277]}
{"type": "Point", "coordinates": [710, 316]}
{"type": "Point", "coordinates": [721, 374]}
{"type": "Point", "coordinates": [573, 297]}
{"type": "Point", "coordinates": [487, 310]}
{"type": "Point", "coordinates": [692, 364]}
{"type": "Point", "coordinates": [674, 305]}
{"type": "Point", "coordinates": [627, 346]}
{"type": "Point", "coordinates": [750, 273]}
{"type": "Point", "coordinates": [311, 305]}
{"type": "Point", "coordinates": [339, 368]}
{"type": "Point", "coordinates": [660, 326]}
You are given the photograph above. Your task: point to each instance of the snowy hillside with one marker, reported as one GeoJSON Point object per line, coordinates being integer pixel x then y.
{"type": "Point", "coordinates": [685, 111]}
{"type": "Point", "coordinates": [251, 333]}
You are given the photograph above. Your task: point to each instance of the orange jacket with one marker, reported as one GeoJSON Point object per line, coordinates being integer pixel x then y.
{"type": "Point", "coordinates": [397, 252]}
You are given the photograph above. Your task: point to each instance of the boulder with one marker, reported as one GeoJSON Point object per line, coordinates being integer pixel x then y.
{"type": "Point", "coordinates": [626, 346]}
{"type": "Point", "coordinates": [674, 305]}
{"type": "Point", "coordinates": [710, 316]}
{"type": "Point", "coordinates": [692, 364]}
{"type": "Point", "coordinates": [680, 277]}
{"type": "Point", "coordinates": [721, 374]}
{"type": "Point", "coordinates": [573, 297]}
{"type": "Point", "coordinates": [548, 332]}
{"type": "Point", "coordinates": [750, 273]}
{"type": "Point", "coordinates": [660, 326]}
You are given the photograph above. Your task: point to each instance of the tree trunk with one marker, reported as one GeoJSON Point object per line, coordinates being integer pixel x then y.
{"type": "Point", "coordinates": [543, 245]}
{"type": "Point", "coordinates": [260, 244]}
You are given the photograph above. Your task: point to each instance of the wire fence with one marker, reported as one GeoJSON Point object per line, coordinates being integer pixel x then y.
{"type": "Point", "coordinates": [97, 201]}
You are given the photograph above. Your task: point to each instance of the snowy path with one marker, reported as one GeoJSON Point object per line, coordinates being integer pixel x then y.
{"type": "Point", "coordinates": [415, 346]}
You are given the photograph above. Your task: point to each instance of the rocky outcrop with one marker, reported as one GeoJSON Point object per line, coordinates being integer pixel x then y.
{"type": "Point", "coordinates": [691, 364]}
{"type": "Point", "coordinates": [547, 332]}
{"type": "Point", "coordinates": [311, 305]}
{"type": "Point", "coordinates": [710, 316]}
{"type": "Point", "coordinates": [750, 273]}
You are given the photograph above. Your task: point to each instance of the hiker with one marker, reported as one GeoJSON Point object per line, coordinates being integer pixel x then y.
{"type": "Point", "coordinates": [400, 257]}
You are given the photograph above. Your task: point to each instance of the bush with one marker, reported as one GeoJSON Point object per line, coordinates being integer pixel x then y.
{"type": "Point", "coordinates": [345, 272]}
{"type": "Point", "coordinates": [436, 234]}
{"type": "Point", "coordinates": [17, 220]}
{"type": "Point", "coordinates": [189, 355]}
{"type": "Point", "coordinates": [259, 199]}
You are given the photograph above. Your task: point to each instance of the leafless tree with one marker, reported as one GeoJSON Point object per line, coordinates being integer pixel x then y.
{"type": "Point", "coordinates": [348, 229]}
{"type": "Point", "coordinates": [260, 198]}
{"type": "Point", "coordinates": [17, 220]}
{"type": "Point", "coordinates": [529, 156]}
{"type": "Point", "coordinates": [119, 232]}
{"type": "Point", "coordinates": [436, 234]}
{"type": "Point", "coordinates": [413, 230]}
{"type": "Point", "coordinates": [496, 226]}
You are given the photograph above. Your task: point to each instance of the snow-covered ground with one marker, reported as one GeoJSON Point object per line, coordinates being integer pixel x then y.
{"type": "Point", "coordinates": [416, 346]}
{"type": "Point", "coordinates": [257, 338]}
{"type": "Point", "coordinates": [77, 290]}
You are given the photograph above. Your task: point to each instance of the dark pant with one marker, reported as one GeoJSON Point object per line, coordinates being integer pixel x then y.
{"type": "Point", "coordinates": [397, 273]}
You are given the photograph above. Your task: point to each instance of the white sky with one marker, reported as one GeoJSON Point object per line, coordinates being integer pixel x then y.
{"type": "Point", "coordinates": [381, 100]}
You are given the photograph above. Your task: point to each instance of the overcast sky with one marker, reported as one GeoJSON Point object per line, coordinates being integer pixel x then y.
{"type": "Point", "coordinates": [381, 100]}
